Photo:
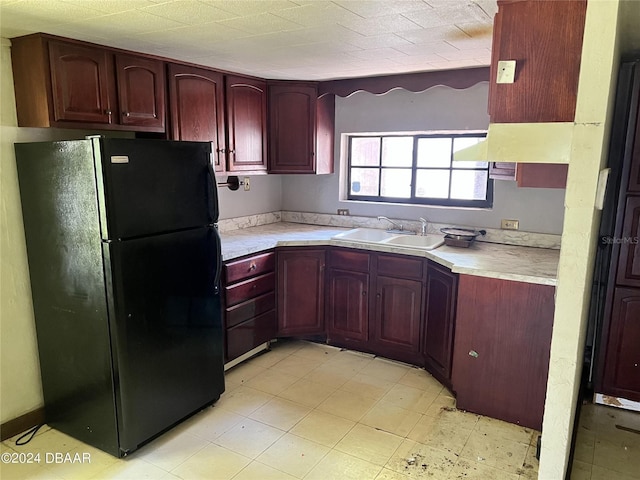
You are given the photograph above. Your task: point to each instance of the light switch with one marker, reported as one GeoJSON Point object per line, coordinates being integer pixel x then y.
{"type": "Point", "coordinates": [506, 71]}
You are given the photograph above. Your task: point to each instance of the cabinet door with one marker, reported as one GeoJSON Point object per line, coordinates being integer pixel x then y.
{"type": "Point", "coordinates": [292, 112]}
{"type": "Point", "coordinates": [80, 82]}
{"type": "Point", "coordinates": [542, 37]}
{"type": "Point", "coordinates": [396, 321]}
{"type": "Point", "coordinates": [634, 176]}
{"type": "Point", "coordinates": [197, 108]}
{"type": "Point", "coordinates": [347, 306]}
{"type": "Point", "coordinates": [501, 348]}
{"type": "Point", "coordinates": [300, 291]}
{"type": "Point", "coordinates": [542, 175]}
{"type": "Point", "coordinates": [629, 260]}
{"type": "Point", "coordinates": [622, 365]}
{"type": "Point", "coordinates": [246, 123]}
{"type": "Point", "coordinates": [141, 91]}
{"type": "Point", "coordinates": [440, 301]}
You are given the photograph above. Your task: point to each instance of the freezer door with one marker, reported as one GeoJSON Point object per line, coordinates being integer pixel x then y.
{"type": "Point", "coordinates": [166, 328]}
{"type": "Point", "coordinates": [155, 186]}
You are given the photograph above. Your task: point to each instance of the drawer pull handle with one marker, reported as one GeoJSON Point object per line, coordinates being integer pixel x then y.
{"type": "Point", "coordinates": [252, 266]}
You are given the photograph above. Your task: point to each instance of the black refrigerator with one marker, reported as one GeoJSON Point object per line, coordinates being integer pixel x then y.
{"type": "Point", "coordinates": [124, 259]}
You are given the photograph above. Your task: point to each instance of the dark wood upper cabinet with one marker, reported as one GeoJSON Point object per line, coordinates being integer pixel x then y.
{"type": "Point", "coordinates": [141, 91]}
{"type": "Point", "coordinates": [196, 98]}
{"type": "Point", "coordinates": [72, 84]}
{"type": "Point", "coordinates": [501, 348]}
{"type": "Point", "coordinates": [300, 129]}
{"type": "Point", "coordinates": [80, 82]}
{"type": "Point", "coordinates": [439, 313]}
{"type": "Point", "coordinates": [621, 376]}
{"type": "Point", "coordinates": [545, 40]}
{"type": "Point", "coordinates": [629, 259]}
{"type": "Point", "coordinates": [300, 291]}
{"type": "Point", "coordinates": [246, 123]}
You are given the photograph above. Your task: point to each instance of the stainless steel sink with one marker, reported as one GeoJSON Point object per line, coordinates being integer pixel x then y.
{"type": "Point", "coordinates": [381, 237]}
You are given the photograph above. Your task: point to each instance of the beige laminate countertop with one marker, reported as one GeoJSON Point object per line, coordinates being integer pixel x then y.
{"type": "Point", "coordinates": [507, 262]}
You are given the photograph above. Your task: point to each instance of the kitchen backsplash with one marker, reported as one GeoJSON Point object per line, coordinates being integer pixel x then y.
{"type": "Point", "coordinates": [494, 235]}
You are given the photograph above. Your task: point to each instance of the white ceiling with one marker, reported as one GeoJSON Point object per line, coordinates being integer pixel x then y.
{"type": "Point", "coordinates": [278, 39]}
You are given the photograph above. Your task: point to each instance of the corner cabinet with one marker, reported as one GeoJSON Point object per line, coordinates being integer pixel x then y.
{"type": "Point", "coordinates": [70, 84]}
{"type": "Point", "coordinates": [347, 300]}
{"type": "Point", "coordinates": [439, 321]}
{"type": "Point", "coordinates": [301, 129]}
{"type": "Point", "coordinates": [300, 291]}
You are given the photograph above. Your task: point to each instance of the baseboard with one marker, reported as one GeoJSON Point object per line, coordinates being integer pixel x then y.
{"type": "Point", "coordinates": [20, 424]}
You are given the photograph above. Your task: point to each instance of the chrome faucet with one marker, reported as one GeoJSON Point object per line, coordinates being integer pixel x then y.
{"type": "Point", "coordinates": [397, 225]}
{"type": "Point", "coordinates": [423, 229]}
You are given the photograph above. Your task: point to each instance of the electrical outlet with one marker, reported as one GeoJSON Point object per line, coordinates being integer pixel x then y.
{"type": "Point", "coordinates": [247, 184]}
{"type": "Point", "coordinates": [343, 211]}
{"type": "Point", "coordinates": [510, 224]}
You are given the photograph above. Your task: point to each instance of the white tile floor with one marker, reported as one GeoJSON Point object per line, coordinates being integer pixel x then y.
{"type": "Point", "coordinates": [308, 411]}
{"type": "Point", "coordinates": [604, 451]}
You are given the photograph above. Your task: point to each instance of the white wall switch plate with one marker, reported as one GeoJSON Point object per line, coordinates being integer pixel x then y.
{"type": "Point", "coordinates": [506, 71]}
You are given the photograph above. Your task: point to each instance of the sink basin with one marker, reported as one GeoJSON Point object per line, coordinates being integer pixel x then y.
{"type": "Point", "coordinates": [423, 242]}
{"type": "Point", "coordinates": [381, 237]}
{"type": "Point", "coordinates": [369, 235]}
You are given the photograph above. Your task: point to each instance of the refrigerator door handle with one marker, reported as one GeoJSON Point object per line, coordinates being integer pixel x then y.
{"type": "Point", "coordinates": [216, 280]}
{"type": "Point", "coordinates": [212, 195]}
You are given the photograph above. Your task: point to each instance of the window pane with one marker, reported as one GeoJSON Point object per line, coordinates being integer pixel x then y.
{"type": "Point", "coordinates": [432, 183]}
{"type": "Point", "coordinates": [397, 151]}
{"type": "Point", "coordinates": [364, 181]}
{"type": "Point", "coordinates": [464, 142]}
{"type": "Point", "coordinates": [434, 152]}
{"type": "Point", "coordinates": [469, 185]}
{"type": "Point", "coordinates": [396, 183]}
{"type": "Point", "coordinates": [365, 151]}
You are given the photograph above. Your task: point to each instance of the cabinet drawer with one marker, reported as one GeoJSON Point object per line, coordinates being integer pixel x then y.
{"type": "Point", "coordinates": [349, 260]}
{"type": "Point", "coordinates": [249, 267]}
{"type": "Point", "coordinates": [249, 309]}
{"type": "Point", "coordinates": [398, 266]}
{"type": "Point", "coordinates": [248, 335]}
{"type": "Point", "coordinates": [252, 288]}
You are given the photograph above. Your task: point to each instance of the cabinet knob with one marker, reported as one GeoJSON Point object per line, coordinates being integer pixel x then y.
{"type": "Point", "coordinates": [221, 150]}
{"type": "Point", "coordinates": [126, 114]}
{"type": "Point", "coordinates": [232, 152]}
{"type": "Point", "coordinates": [364, 294]}
{"type": "Point", "coordinates": [252, 266]}
{"type": "Point", "coordinates": [107, 112]}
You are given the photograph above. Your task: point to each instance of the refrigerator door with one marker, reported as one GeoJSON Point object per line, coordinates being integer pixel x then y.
{"type": "Point", "coordinates": [154, 186]}
{"type": "Point", "coordinates": [166, 328]}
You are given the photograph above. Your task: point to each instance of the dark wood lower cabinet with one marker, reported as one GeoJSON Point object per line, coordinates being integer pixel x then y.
{"type": "Point", "coordinates": [439, 321]}
{"type": "Point", "coordinates": [396, 322]}
{"type": "Point", "coordinates": [501, 348]}
{"type": "Point", "coordinates": [348, 308]}
{"type": "Point", "coordinates": [621, 375]}
{"type": "Point", "coordinates": [300, 290]}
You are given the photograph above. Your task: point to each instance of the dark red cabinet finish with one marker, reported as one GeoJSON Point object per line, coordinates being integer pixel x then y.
{"type": "Point", "coordinates": [501, 348]}
{"type": "Point", "coordinates": [439, 321]}
{"type": "Point", "coordinates": [197, 108]}
{"type": "Point", "coordinates": [542, 37]}
{"type": "Point", "coordinates": [301, 129]}
{"type": "Point", "coordinates": [347, 307]}
{"type": "Point", "coordinates": [249, 302]}
{"type": "Point", "coordinates": [629, 260]}
{"type": "Point", "coordinates": [141, 91]}
{"type": "Point", "coordinates": [621, 376]}
{"type": "Point", "coordinates": [81, 82]}
{"type": "Point", "coordinates": [300, 290]}
{"type": "Point", "coordinates": [246, 100]}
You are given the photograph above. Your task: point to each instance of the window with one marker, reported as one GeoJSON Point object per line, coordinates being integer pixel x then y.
{"type": "Point", "coordinates": [417, 169]}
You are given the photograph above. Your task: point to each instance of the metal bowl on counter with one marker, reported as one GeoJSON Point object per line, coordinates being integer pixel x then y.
{"type": "Point", "coordinates": [460, 237]}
